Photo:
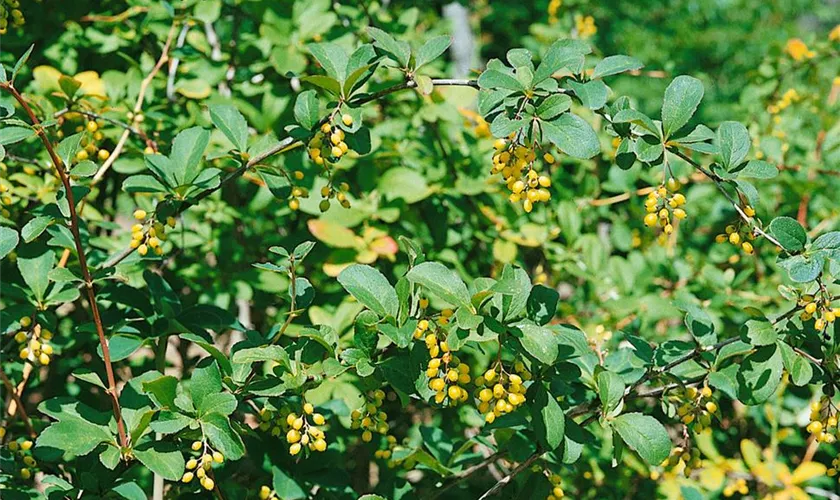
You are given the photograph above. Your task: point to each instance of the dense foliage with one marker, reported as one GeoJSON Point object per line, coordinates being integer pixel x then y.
{"type": "Point", "coordinates": [257, 249]}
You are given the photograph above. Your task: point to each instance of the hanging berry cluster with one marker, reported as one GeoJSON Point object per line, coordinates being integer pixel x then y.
{"type": "Point", "coordinates": [33, 342]}
{"type": "Point", "coordinates": [697, 408]}
{"type": "Point", "coordinates": [369, 417]}
{"type": "Point", "coordinates": [662, 204]}
{"type": "Point", "coordinates": [819, 309]}
{"type": "Point", "coordinates": [519, 169]}
{"type": "Point", "coordinates": [10, 8]}
{"type": "Point", "coordinates": [149, 234]}
{"type": "Point", "coordinates": [201, 464]}
{"type": "Point", "coordinates": [502, 391]}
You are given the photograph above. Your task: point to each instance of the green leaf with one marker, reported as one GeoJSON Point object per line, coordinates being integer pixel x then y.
{"type": "Point", "coordinates": [206, 380]}
{"type": "Point", "coordinates": [12, 134]}
{"type": "Point", "coordinates": [682, 97]}
{"type": "Point", "coordinates": [74, 437]}
{"type": "Point", "coordinates": [561, 54]}
{"type": "Point", "coordinates": [610, 390]}
{"type": "Point", "coordinates": [306, 109]}
{"type": "Point", "coordinates": [265, 353]}
{"type": "Point", "coordinates": [827, 241]}
{"type": "Point", "coordinates": [327, 83]}
{"type": "Point", "coordinates": [759, 332]}
{"type": "Point", "coordinates": [759, 375]}
{"type": "Point", "coordinates": [121, 346]}
{"type": "Point", "coordinates": [538, 341]}
{"type": "Point", "coordinates": [553, 106]}
{"type": "Point", "coordinates": [68, 147]}
{"type": "Point", "coordinates": [398, 50]}
{"type": "Point", "coordinates": [331, 57]}
{"type": "Point", "coordinates": [733, 142]}
{"type": "Point", "coordinates": [222, 436]}
{"type": "Point", "coordinates": [230, 121]}
{"type": "Point", "coordinates": [35, 272]}
{"type": "Point", "coordinates": [572, 135]}
{"type": "Point", "coordinates": [20, 62]}
{"type": "Point", "coordinates": [800, 369]}
{"type": "Point", "coordinates": [614, 65]}
{"type": "Point", "coordinates": [548, 419]}
{"type": "Point", "coordinates": [187, 150]}
{"type": "Point", "coordinates": [285, 486]}
{"type": "Point", "coordinates": [758, 169]}
{"type": "Point", "coordinates": [162, 391]}
{"type": "Point", "coordinates": [636, 118]}
{"type": "Point", "coordinates": [494, 79]}
{"type": "Point", "coordinates": [162, 458]}
{"type": "Point", "coordinates": [442, 282]}
{"type": "Point", "coordinates": [371, 288]}
{"type": "Point", "coordinates": [803, 268]}
{"type": "Point", "coordinates": [542, 304]}
{"type": "Point", "coordinates": [431, 50]}
{"type": "Point", "coordinates": [84, 169]}
{"type": "Point", "coordinates": [592, 94]}
{"type": "Point", "coordinates": [789, 233]}
{"type": "Point", "coordinates": [503, 126]}
{"type": "Point", "coordinates": [424, 84]}
{"type": "Point", "coordinates": [9, 240]}
{"type": "Point", "coordinates": [35, 227]}
{"type": "Point", "coordinates": [645, 435]}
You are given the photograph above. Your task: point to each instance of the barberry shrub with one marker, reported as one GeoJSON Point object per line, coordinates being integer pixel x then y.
{"type": "Point", "coordinates": [260, 250]}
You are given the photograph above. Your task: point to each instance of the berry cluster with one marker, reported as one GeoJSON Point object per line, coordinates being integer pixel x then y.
{"type": "Point", "coordinates": [823, 424]}
{"type": "Point", "coordinates": [202, 465]}
{"type": "Point", "coordinates": [22, 454]}
{"type": "Point", "coordinates": [33, 343]}
{"type": "Point", "coordinates": [502, 391]}
{"type": "Point", "coordinates": [446, 373]}
{"type": "Point", "coordinates": [369, 417]}
{"type": "Point", "coordinates": [738, 486]}
{"type": "Point", "coordinates": [697, 407]}
{"type": "Point", "coordinates": [300, 430]}
{"type": "Point", "coordinates": [663, 203]}
{"type": "Point", "coordinates": [517, 164]}
{"type": "Point", "coordinates": [739, 235]}
{"type": "Point", "coordinates": [149, 234]}
{"type": "Point", "coordinates": [328, 145]}
{"type": "Point", "coordinates": [329, 192]}
{"type": "Point", "coordinates": [683, 459]}
{"type": "Point", "coordinates": [819, 308]}
{"type": "Point", "coordinates": [556, 488]}
{"type": "Point", "coordinates": [297, 193]}
{"type": "Point", "coordinates": [10, 8]}
{"type": "Point", "coordinates": [90, 145]}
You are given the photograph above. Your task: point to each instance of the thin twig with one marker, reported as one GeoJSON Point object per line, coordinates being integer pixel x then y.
{"type": "Point", "coordinates": [20, 410]}
{"type": "Point", "coordinates": [508, 478]}
{"type": "Point", "coordinates": [138, 105]}
{"type": "Point", "coordinates": [466, 473]}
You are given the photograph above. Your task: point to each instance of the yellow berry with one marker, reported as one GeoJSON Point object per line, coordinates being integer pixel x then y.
{"type": "Point", "coordinates": [196, 445]}
{"type": "Point", "coordinates": [347, 119]}
{"type": "Point", "coordinates": [103, 154]}
{"type": "Point", "coordinates": [208, 483]}
{"type": "Point", "coordinates": [187, 477]}
{"type": "Point", "coordinates": [25, 321]}
{"type": "Point", "coordinates": [218, 457]}
{"type": "Point", "coordinates": [651, 219]}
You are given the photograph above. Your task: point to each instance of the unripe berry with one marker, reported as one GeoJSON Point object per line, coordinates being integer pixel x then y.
{"type": "Point", "coordinates": [347, 119]}
{"type": "Point", "coordinates": [734, 238]}
{"type": "Point", "coordinates": [208, 483]}
{"type": "Point", "coordinates": [318, 419]}
{"type": "Point", "coordinates": [265, 492]}
{"type": "Point", "coordinates": [196, 445]}
{"type": "Point", "coordinates": [44, 359]}
{"type": "Point", "coordinates": [140, 214]}
{"type": "Point", "coordinates": [192, 463]}
{"type": "Point", "coordinates": [218, 457]}
{"type": "Point", "coordinates": [103, 154]}
{"type": "Point", "coordinates": [187, 477]}
{"type": "Point", "coordinates": [25, 321]}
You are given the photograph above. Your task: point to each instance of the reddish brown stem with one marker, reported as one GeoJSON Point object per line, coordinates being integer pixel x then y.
{"type": "Point", "coordinates": [112, 390]}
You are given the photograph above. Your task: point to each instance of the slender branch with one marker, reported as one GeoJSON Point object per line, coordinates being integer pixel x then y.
{"type": "Point", "coordinates": [16, 398]}
{"type": "Point", "coordinates": [138, 105]}
{"type": "Point", "coordinates": [737, 206]}
{"type": "Point", "coordinates": [515, 472]}
{"type": "Point", "coordinates": [97, 116]}
{"type": "Point", "coordinates": [466, 473]}
{"type": "Point", "coordinates": [80, 251]}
